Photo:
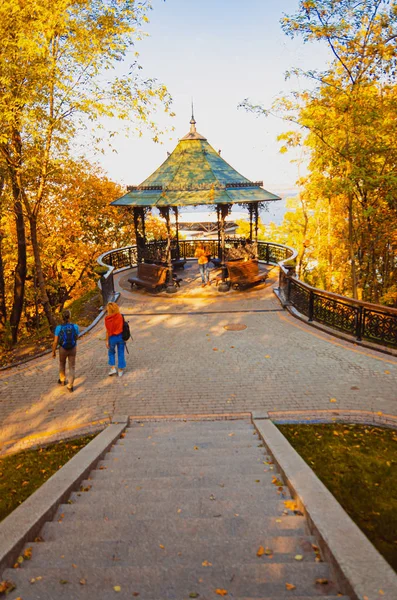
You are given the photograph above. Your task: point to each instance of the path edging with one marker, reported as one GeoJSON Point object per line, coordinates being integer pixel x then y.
{"type": "Point", "coordinates": [26, 521]}
{"type": "Point", "coordinates": [363, 572]}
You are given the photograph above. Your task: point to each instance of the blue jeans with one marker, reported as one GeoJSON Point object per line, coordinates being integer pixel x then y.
{"type": "Point", "coordinates": [116, 341]}
{"type": "Point", "coordinates": [205, 276]}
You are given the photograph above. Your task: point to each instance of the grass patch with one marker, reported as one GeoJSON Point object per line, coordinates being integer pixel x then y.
{"type": "Point", "coordinates": [86, 308]}
{"type": "Point", "coordinates": [358, 464]}
{"type": "Point", "coordinates": [23, 473]}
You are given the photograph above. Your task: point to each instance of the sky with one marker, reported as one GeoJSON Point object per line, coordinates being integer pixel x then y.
{"type": "Point", "coordinates": [219, 52]}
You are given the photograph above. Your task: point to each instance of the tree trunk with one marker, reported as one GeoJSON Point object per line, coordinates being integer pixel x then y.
{"type": "Point", "coordinates": [39, 273]}
{"type": "Point", "coordinates": [353, 270]}
{"type": "Point", "coordinates": [20, 269]}
{"type": "Point", "coordinates": [3, 307]}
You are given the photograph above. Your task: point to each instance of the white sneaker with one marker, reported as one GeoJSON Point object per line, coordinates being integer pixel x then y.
{"type": "Point", "coordinates": [121, 373]}
{"type": "Point", "coordinates": [113, 371]}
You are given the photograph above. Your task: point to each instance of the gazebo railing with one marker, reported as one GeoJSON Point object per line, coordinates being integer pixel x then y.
{"type": "Point", "coordinates": [362, 320]}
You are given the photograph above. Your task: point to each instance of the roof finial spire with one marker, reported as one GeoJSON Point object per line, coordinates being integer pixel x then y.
{"type": "Point", "coordinates": [192, 121]}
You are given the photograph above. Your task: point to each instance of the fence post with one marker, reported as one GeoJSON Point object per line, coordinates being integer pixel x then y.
{"type": "Point", "coordinates": [359, 323]}
{"type": "Point", "coordinates": [267, 253]}
{"type": "Point", "coordinates": [311, 306]}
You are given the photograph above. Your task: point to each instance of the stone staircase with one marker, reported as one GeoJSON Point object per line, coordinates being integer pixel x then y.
{"type": "Point", "coordinates": [177, 510]}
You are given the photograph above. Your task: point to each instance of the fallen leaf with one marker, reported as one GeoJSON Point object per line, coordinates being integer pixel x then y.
{"type": "Point", "coordinates": [82, 581]}
{"type": "Point", "coordinates": [322, 581]}
{"type": "Point", "coordinates": [215, 349]}
{"type": "Point", "coordinates": [335, 433]}
{"type": "Point", "coordinates": [205, 563]}
{"type": "Point", "coordinates": [27, 554]}
{"type": "Point", "coordinates": [290, 586]}
{"type": "Point", "coordinates": [179, 510]}
{"type": "Point", "coordinates": [196, 448]}
{"type": "Point", "coordinates": [194, 595]}
{"type": "Point", "coordinates": [6, 586]}
{"type": "Point", "coordinates": [117, 588]}
{"type": "Point", "coordinates": [298, 557]}
{"type": "Point", "coordinates": [277, 482]}
{"type": "Point", "coordinates": [161, 546]}
{"type": "Point", "coordinates": [221, 592]}
{"type": "Point", "coordinates": [63, 581]}
{"type": "Point", "coordinates": [290, 504]}
{"type": "Point", "coordinates": [332, 399]}
{"type": "Point", "coordinates": [387, 372]}
{"type": "Point", "coordinates": [261, 551]}
{"type": "Point", "coordinates": [381, 592]}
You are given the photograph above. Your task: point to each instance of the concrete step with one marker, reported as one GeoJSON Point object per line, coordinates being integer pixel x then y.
{"type": "Point", "coordinates": [192, 450]}
{"type": "Point", "coordinates": [206, 437]}
{"type": "Point", "coordinates": [111, 480]}
{"type": "Point", "coordinates": [180, 427]}
{"type": "Point", "coordinates": [111, 521]}
{"type": "Point", "coordinates": [111, 477]}
{"type": "Point", "coordinates": [197, 508]}
{"type": "Point", "coordinates": [162, 550]}
{"type": "Point", "coordinates": [201, 462]}
{"type": "Point", "coordinates": [157, 582]}
{"type": "Point", "coordinates": [255, 492]}
{"type": "Point", "coordinates": [126, 496]}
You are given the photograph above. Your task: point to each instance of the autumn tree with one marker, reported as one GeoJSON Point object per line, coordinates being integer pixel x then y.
{"type": "Point", "coordinates": [346, 121]}
{"type": "Point", "coordinates": [58, 76]}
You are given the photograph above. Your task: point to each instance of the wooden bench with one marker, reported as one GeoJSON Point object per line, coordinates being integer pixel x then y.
{"type": "Point", "coordinates": [243, 273]}
{"type": "Point", "coordinates": [150, 277]}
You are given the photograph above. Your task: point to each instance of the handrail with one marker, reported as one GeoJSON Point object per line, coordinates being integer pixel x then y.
{"type": "Point", "coordinates": [373, 322]}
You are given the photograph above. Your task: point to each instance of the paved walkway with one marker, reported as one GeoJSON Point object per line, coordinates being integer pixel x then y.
{"type": "Point", "coordinates": [183, 360]}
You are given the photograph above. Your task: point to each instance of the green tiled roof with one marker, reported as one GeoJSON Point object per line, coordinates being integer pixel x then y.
{"type": "Point", "coordinates": [194, 174]}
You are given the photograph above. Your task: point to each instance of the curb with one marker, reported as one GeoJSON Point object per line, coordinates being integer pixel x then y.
{"type": "Point", "coordinates": [26, 521]}
{"type": "Point", "coordinates": [309, 417]}
{"type": "Point", "coordinates": [361, 571]}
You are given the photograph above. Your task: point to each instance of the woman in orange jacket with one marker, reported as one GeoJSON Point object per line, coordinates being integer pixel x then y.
{"type": "Point", "coordinates": [114, 329]}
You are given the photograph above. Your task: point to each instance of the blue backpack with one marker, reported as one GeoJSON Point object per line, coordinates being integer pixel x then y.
{"type": "Point", "coordinates": [67, 336]}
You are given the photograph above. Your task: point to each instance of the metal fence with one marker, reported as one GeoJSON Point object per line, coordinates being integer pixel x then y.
{"type": "Point", "coordinates": [364, 321]}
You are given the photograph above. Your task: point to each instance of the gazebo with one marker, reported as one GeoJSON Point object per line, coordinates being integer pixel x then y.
{"type": "Point", "coordinates": [193, 174]}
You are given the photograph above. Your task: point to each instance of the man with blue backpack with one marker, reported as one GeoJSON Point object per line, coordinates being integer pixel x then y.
{"type": "Point", "coordinates": [66, 336]}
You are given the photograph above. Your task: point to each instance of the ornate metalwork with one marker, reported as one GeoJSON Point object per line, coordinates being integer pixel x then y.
{"type": "Point", "coordinates": [380, 326]}
{"type": "Point", "coordinates": [299, 296]}
{"type": "Point", "coordinates": [334, 313]}
{"type": "Point", "coordinates": [374, 323]}
{"type": "Point", "coordinates": [244, 184]}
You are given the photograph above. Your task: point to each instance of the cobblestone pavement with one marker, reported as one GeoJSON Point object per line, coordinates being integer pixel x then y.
{"type": "Point", "coordinates": [183, 361]}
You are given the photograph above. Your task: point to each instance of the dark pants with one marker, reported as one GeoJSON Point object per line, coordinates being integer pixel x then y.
{"type": "Point", "coordinates": [70, 355]}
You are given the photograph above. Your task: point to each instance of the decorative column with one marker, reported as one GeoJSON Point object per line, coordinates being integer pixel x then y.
{"type": "Point", "coordinates": [139, 226]}
{"type": "Point", "coordinates": [224, 211]}
{"type": "Point", "coordinates": [256, 212]}
{"type": "Point", "coordinates": [250, 211]}
{"type": "Point", "coordinates": [165, 213]}
{"type": "Point", "coordinates": [218, 210]}
{"type": "Point", "coordinates": [176, 213]}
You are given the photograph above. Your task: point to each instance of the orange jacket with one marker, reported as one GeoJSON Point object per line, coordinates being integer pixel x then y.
{"type": "Point", "coordinates": [202, 255]}
{"type": "Point", "coordinates": [114, 324]}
